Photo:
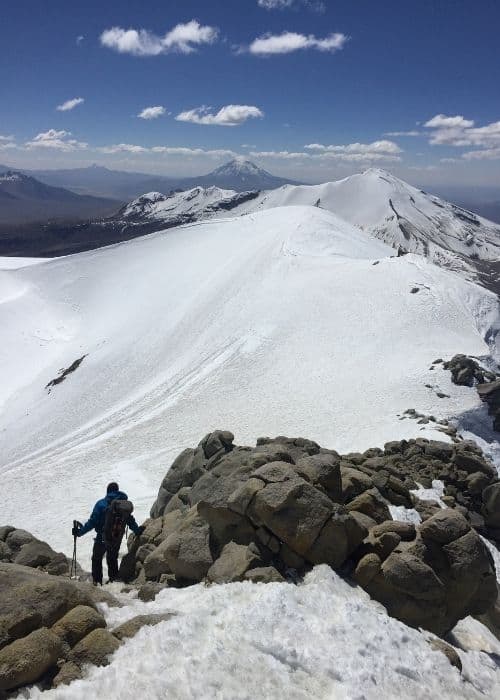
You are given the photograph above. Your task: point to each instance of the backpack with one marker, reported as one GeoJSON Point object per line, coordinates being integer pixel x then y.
{"type": "Point", "coordinates": [115, 521]}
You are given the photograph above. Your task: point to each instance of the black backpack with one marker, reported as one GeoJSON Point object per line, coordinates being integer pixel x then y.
{"type": "Point", "coordinates": [115, 521]}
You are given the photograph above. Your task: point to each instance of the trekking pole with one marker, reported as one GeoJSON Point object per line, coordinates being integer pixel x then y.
{"type": "Point", "coordinates": [72, 572]}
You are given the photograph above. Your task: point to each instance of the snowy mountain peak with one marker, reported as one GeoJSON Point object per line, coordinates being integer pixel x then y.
{"type": "Point", "coordinates": [12, 176]}
{"type": "Point", "coordinates": [240, 166]}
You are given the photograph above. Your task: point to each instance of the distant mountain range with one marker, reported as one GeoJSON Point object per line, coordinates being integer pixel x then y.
{"type": "Point", "coordinates": [239, 174]}
{"type": "Point", "coordinates": [381, 205]}
{"type": "Point", "coordinates": [24, 199]}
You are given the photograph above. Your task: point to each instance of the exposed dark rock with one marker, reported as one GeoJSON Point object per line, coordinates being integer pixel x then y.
{"type": "Point", "coordinates": [449, 651]}
{"type": "Point", "coordinates": [131, 627]}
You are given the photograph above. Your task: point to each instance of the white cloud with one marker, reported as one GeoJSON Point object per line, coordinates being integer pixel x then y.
{"type": "Point", "coordinates": [6, 138]}
{"type": "Point", "coordinates": [230, 115]}
{"type": "Point", "coordinates": [282, 155]}
{"type": "Point", "coordinates": [403, 133]}
{"type": "Point", "coordinates": [183, 38]}
{"type": "Point", "coordinates": [189, 152]}
{"type": "Point", "coordinates": [70, 104]}
{"type": "Point", "coordinates": [275, 4]}
{"type": "Point", "coordinates": [442, 121]}
{"type": "Point", "coordinates": [314, 5]}
{"type": "Point", "coordinates": [459, 132]}
{"type": "Point", "coordinates": [487, 154]}
{"type": "Point", "coordinates": [382, 151]}
{"type": "Point", "coordinates": [166, 150]}
{"type": "Point", "coordinates": [449, 160]}
{"type": "Point", "coordinates": [123, 148]}
{"type": "Point", "coordinates": [381, 147]}
{"type": "Point", "coordinates": [80, 39]}
{"type": "Point", "coordinates": [288, 42]}
{"type": "Point", "coordinates": [57, 140]}
{"type": "Point", "coordinates": [152, 112]}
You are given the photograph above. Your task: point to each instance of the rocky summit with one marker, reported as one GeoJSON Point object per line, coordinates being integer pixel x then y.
{"type": "Point", "coordinates": [265, 515]}
{"type": "Point", "coordinates": [269, 513]}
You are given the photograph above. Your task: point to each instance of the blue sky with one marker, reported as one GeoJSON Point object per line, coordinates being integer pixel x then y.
{"type": "Point", "coordinates": [309, 89]}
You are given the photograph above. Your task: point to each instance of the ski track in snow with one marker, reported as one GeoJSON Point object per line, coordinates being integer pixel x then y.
{"type": "Point", "coordinates": [274, 323]}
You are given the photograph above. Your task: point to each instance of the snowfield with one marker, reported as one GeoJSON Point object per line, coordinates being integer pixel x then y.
{"type": "Point", "coordinates": [322, 639]}
{"type": "Point", "coordinates": [287, 321]}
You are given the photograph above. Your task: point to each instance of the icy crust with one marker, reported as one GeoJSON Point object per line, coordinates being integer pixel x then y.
{"type": "Point", "coordinates": [277, 322]}
{"type": "Point", "coordinates": [322, 639]}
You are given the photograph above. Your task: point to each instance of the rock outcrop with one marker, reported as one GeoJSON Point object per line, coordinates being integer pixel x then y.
{"type": "Point", "coordinates": [43, 618]}
{"type": "Point", "coordinates": [466, 371]}
{"type": "Point", "coordinates": [444, 573]}
{"type": "Point", "coordinates": [21, 547]}
{"type": "Point", "coordinates": [226, 513]}
{"type": "Point", "coordinates": [266, 515]}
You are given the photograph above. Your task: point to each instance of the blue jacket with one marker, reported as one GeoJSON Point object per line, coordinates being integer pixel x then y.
{"type": "Point", "coordinates": [98, 515]}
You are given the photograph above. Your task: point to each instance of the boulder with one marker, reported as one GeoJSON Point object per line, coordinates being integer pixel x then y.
{"type": "Point", "coordinates": [77, 624]}
{"type": "Point", "coordinates": [274, 472]}
{"type": "Point", "coordinates": [491, 505]}
{"type": "Point", "coordinates": [368, 567]}
{"type": "Point", "coordinates": [339, 537]}
{"type": "Point", "coordinates": [187, 549]}
{"type": "Point", "coordinates": [33, 599]}
{"type": "Point", "coordinates": [131, 627]}
{"type": "Point", "coordinates": [432, 582]}
{"type": "Point", "coordinates": [68, 673]}
{"type": "Point", "coordinates": [294, 511]}
{"type": "Point", "coordinates": [28, 659]}
{"type": "Point", "coordinates": [371, 503]}
{"type": "Point", "coordinates": [354, 482]}
{"type": "Point", "coordinates": [264, 574]}
{"type": "Point", "coordinates": [322, 470]}
{"type": "Point", "coordinates": [94, 649]}
{"type": "Point", "coordinates": [446, 649]}
{"type": "Point", "coordinates": [5, 553]}
{"type": "Point", "coordinates": [4, 531]}
{"type": "Point", "coordinates": [16, 538]}
{"type": "Point", "coordinates": [189, 466]}
{"type": "Point", "coordinates": [405, 530]}
{"type": "Point", "coordinates": [149, 590]}
{"type": "Point", "coordinates": [241, 498]}
{"type": "Point", "coordinates": [444, 527]}
{"type": "Point", "coordinates": [38, 554]}
{"type": "Point", "coordinates": [235, 560]}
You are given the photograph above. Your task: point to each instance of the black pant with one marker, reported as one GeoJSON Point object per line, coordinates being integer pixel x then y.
{"type": "Point", "coordinates": [111, 552]}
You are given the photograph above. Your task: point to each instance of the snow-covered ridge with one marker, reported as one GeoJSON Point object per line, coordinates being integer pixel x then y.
{"type": "Point", "coordinates": [401, 215]}
{"type": "Point", "coordinates": [10, 176]}
{"type": "Point", "coordinates": [380, 204]}
{"type": "Point", "coordinates": [155, 205]}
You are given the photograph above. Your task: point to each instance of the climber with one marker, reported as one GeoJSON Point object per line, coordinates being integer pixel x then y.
{"type": "Point", "coordinates": [109, 518]}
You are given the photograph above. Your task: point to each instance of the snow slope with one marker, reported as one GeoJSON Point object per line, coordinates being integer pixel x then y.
{"type": "Point", "coordinates": [274, 323]}
{"type": "Point", "coordinates": [321, 640]}
{"type": "Point", "coordinates": [401, 215]}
